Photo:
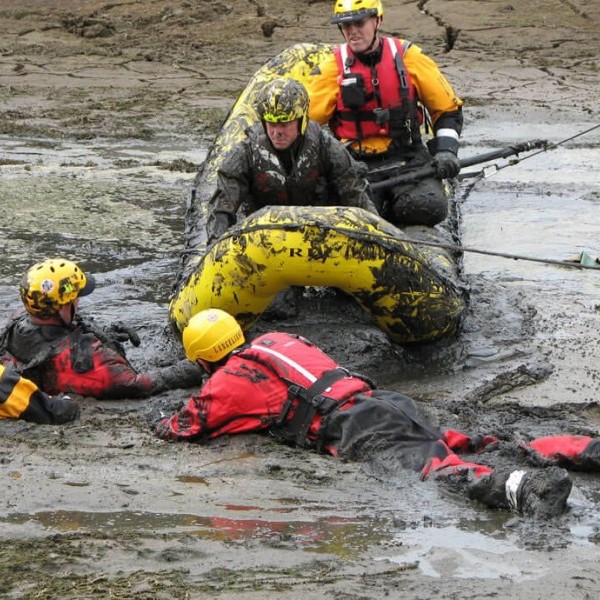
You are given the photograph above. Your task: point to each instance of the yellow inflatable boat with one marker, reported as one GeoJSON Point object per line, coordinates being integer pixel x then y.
{"type": "Point", "coordinates": [407, 288]}
{"type": "Point", "coordinates": [347, 248]}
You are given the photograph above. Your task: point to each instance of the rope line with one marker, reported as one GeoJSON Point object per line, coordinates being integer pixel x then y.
{"type": "Point", "coordinates": [455, 248]}
{"type": "Point", "coordinates": [515, 161]}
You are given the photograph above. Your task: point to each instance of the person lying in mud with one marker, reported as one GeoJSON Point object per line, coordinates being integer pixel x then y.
{"type": "Point", "coordinates": [285, 160]}
{"type": "Point", "coordinates": [51, 344]}
{"type": "Point", "coordinates": [283, 384]}
{"type": "Point", "coordinates": [371, 90]}
{"type": "Point", "coordinates": [21, 399]}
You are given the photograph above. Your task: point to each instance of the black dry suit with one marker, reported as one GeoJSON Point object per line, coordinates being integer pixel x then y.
{"type": "Point", "coordinates": [315, 171]}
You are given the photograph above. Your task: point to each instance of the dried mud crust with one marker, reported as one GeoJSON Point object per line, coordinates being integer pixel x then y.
{"type": "Point", "coordinates": [164, 68]}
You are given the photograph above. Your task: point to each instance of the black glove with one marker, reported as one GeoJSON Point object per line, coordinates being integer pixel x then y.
{"type": "Point", "coordinates": [184, 374]}
{"type": "Point", "coordinates": [119, 333]}
{"type": "Point", "coordinates": [446, 164]}
{"type": "Point", "coordinates": [63, 409]}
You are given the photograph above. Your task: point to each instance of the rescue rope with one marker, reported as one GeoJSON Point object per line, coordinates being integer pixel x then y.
{"type": "Point", "coordinates": [514, 161]}
{"type": "Point", "coordinates": [481, 175]}
{"type": "Point", "coordinates": [455, 248]}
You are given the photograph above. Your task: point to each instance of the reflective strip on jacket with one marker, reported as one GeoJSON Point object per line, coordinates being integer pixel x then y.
{"type": "Point", "coordinates": [250, 390]}
{"type": "Point", "coordinates": [18, 395]}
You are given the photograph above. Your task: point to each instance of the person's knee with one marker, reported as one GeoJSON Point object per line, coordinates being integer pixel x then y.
{"type": "Point", "coordinates": [424, 204]}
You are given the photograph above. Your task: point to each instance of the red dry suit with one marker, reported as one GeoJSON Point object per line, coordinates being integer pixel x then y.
{"type": "Point", "coordinates": [78, 359]}
{"type": "Point", "coordinates": [283, 383]}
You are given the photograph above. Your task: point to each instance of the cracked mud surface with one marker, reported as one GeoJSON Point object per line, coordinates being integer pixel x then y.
{"type": "Point", "coordinates": [155, 68]}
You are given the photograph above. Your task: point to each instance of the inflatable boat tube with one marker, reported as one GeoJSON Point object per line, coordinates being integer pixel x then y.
{"type": "Point", "coordinates": [347, 248]}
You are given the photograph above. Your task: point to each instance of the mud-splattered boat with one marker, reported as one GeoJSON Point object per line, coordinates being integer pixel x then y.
{"type": "Point", "coordinates": [409, 290]}
{"type": "Point", "coordinates": [347, 248]}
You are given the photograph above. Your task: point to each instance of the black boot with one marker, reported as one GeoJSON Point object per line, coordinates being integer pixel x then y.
{"type": "Point", "coordinates": [540, 494]}
{"type": "Point", "coordinates": [589, 459]}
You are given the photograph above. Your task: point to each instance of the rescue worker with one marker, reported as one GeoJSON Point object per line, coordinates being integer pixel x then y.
{"type": "Point", "coordinates": [285, 159]}
{"type": "Point", "coordinates": [51, 344]}
{"type": "Point", "coordinates": [283, 384]}
{"type": "Point", "coordinates": [372, 90]}
{"type": "Point", "coordinates": [20, 398]}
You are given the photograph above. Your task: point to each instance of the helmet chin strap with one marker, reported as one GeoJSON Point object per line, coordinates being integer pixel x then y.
{"type": "Point", "coordinates": [70, 316]}
{"type": "Point", "coordinates": [375, 40]}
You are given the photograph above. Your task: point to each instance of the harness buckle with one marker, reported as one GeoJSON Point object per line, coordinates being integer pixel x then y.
{"type": "Point", "coordinates": [294, 391]}
{"type": "Point", "coordinates": [323, 405]}
{"type": "Point", "coordinates": [382, 115]}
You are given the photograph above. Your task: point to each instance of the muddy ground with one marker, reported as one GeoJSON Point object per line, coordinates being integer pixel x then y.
{"type": "Point", "coordinates": [106, 110]}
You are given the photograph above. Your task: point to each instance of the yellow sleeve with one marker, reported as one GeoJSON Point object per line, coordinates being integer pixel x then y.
{"type": "Point", "coordinates": [15, 393]}
{"type": "Point", "coordinates": [322, 86]}
{"type": "Point", "coordinates": [433, 89]}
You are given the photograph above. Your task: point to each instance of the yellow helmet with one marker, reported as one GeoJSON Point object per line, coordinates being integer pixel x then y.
{"type": "Point", "coordinates": [50, 284]}
{"type": "Point", "coordinates": [211, 334]}
{"type": "Point", "coordinates": [350, 11]}
{"type": "Point", "coordinates": [284, 100]}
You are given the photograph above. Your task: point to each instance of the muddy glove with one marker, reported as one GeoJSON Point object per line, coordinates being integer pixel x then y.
{"type": "Point", "coordinates": [119, 333]}
{"type": "Point", "coordinates": [446, 164]}
{"type": "Point", "coordinates": [62, 408]}
{"type": "Point", "coordinates": [445, 159]}
{"type": "Point", "coordinates": [367, 200]}
{"type": "Point", "coordinates": [184, 374]}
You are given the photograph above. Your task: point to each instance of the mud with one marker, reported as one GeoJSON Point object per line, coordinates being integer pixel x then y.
{"type": "Point", "coordinates": [106, 112]}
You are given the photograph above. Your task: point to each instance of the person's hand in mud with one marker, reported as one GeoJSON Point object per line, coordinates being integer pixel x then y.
{"type": "Point", "coordinates": [63, 408]}
{"type": "Point", "coordinates": [120, 334]}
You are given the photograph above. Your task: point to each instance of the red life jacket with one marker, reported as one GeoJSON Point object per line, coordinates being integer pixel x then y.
{"type": "Point", "coordinates": [266, 386]}
{"type": "Point", "coordinates": [372, 101]}
{"type": "Point", "coordinates": [316, 384]}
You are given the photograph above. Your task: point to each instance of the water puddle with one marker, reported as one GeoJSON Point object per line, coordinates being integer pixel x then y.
{"type": "Point", "coordinates": [453, 552]}
{"type": "Point", "coordinates": [342, 536]}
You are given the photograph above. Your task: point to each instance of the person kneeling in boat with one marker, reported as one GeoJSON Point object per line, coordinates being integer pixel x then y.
{"type": "Point", "coordinates": [51, 344]}
{"type": "Point", "coordinates": [21, 399]}
{"type": "Point", "coordinates": [283, 384]}
{"type": "Point", "coordinates": [371, 91]}
{"type": "Point", "coordinates": [285, 160]}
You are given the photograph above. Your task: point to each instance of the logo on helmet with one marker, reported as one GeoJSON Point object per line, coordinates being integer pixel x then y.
{"type": "Point", "coordinates": [225, 345]}
{"type": "Point", "coordinates": [47, 286]}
